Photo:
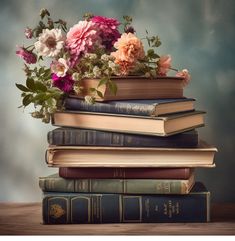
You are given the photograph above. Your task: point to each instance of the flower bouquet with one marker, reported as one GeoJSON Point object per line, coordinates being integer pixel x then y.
{"type": "Point", "coordinates": [93, 49]}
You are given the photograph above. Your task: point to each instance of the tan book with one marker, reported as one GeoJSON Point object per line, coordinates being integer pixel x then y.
{"type": "Point", "coordinates": [147, 125]}
{"type": "Point", "coordinates": [137, 87]}
{"type": "Point", "coordinates": [82, 156]}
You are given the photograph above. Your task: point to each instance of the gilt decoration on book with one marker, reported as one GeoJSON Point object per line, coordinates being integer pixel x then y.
{"type": "Point", "coordinates": [99, 58]}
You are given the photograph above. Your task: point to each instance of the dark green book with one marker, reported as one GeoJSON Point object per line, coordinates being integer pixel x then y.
{"type": "Point", "coordinates": [75, 208]}
{"type": "Point", "coordinates": [54, 183]}
{"type": "Point", "coordinates": [86, 137]}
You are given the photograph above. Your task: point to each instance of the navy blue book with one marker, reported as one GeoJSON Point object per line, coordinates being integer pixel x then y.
{"type": "Point", "coordinates": [155, 107]}
{"type": "Point", "coordinates": [84, 137]}
{"type": "Point", "coordinates": [75, 208]}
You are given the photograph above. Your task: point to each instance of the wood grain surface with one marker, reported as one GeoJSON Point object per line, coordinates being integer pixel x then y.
{"type": "Point", "coordinates": [25, 219]}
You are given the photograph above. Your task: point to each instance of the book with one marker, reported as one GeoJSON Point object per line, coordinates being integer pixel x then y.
{"type": "Point", "coordinates": [75, 208]}
{"type": "Point", "coordinates": [157, 126]}
{"type": "Point", "coordinates": [127, 173]}
{"type": "Point", "coordinates": [83, 156]}
{"type": "Point", "coordinates": [137, 87]}
{"type": "Point", "coordinates": [133, 107]}
{"type": "Point", "coordinates": [55, 183]}
{"type": "Point", "coordinates": [85, 137]}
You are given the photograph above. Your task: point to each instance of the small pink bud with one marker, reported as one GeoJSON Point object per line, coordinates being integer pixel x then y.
{"type": "Point", "coordinates": [185, 74]}
{"type": "Point", "coordinates": [28, 33]}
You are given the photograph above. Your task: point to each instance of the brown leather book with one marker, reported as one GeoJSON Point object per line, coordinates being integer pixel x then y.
{"type": "Point", "coordinates": [128, 173]}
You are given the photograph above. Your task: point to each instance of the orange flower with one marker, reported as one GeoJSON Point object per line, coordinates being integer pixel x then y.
{"type": "Point", "coordinates": [124, 66]}
{"type": "Point", "coordinates": [129, 48]}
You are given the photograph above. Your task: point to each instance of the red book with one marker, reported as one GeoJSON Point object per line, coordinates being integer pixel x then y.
{"type": "Point", "coordinates": [128, 173]}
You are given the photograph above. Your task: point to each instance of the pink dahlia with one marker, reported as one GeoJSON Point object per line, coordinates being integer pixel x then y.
{"type": "Point", "coordinates": [63, 83]}
{"type": "Point", "coordinates": [27, 56]}
{"type": "Point", "coordinates": [108, 30]}
{"type": "Point", "coordinates": [82, 37]}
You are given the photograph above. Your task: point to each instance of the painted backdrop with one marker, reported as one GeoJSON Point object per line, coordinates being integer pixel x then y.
{"type": "Point", "coordinates": [198, 34]}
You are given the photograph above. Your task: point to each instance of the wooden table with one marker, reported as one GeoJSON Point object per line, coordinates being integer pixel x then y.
{"type": "Point", "coordinates": [25, 219]}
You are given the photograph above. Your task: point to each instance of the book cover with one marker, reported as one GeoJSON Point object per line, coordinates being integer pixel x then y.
{"type": "Point", "coordinates": [85, 137]}
{"type": "Point", "coordinates": [133, 107]}
{"type": "Point", "coordinates": [157, 126]}
{"type": "Point", "coordinates": [136, 87]}
{"type": "Point", "coordinates": [93, 156]}
{"type": "Point", "coordinates": [55, 183]}
{"type": "Point", "coordinates": [126, 173]}
{"type": "Point", "coordinates": [75, 208]}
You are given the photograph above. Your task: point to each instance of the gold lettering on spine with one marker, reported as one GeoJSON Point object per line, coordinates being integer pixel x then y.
{"type": "Point", "coordinates": [171, 209]}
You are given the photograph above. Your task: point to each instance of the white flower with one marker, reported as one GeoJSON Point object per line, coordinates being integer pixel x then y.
{"type": "Point", "coordinates": [75, 76]}
{"type": "Point", "coordinates": [107, 57]}
{"type": "Point", "coordinates": [59, 67]}
{"type": "Point", "coordinates": [49, 43]}
{"type": "Point", "coordinates": [96, 72]}
{"type": "Point", "coordinates": [90, 56]}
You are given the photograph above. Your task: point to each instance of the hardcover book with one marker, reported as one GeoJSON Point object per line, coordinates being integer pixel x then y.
{"type": "Point", "coordinates": [75, 208]}
{"type": "Point", "coordinates": [54, 183]}
{"type": "Point", "coordinates": [137, 87]}
{"type": "Point", "coordinates": [158, 126]}
{"type": "Point", "coordinates": [133, 107]}
{"type": "Point", "coordinates": [86, 137]}
{"type": "Point", "coordinates": [126, 173]}
{"type": "Point", "coordinates": [83, 156]}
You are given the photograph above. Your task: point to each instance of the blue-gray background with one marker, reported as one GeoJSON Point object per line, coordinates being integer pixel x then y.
{"type": "Point", "coordinates": [198, 34]}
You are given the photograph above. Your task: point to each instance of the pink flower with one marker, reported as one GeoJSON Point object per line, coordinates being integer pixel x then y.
{"type": "Point", "coordinates": [63, 83]}
{"type": "Point", "coordinates": [164, 64]}
{"type": "Point", "coordinates": [82, 37]}
{"type": "Point", "coordinates": [185, 74]}
{"type": "Point", "coordinates": [108, 30]}
{"type": "Point", "coordinates": [59, 67]}
{"type": "Point", "coordinates": [27, 56]}
{"type": "Point", "coordinates": [28, 33]}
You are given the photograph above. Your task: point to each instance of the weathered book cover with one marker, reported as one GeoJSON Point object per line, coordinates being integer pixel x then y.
{"type": "Point", "coordinates": [85, 137]}
{"type": "Point", "coordinates": [54, 183]}
{"type": "Point", "coordinates": [131, 107]}
{"type": "Point", "coordinates": [126, 173]}
{"type": "Point", "coordinates": [166, 125]}
{"type": "Point", "coordinates": [75, 208]}
{"type": "Point", "coordinates": [136, 87]}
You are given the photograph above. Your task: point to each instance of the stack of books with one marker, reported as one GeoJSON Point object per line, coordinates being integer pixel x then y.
{"type": "Point", "coordinates": [126, 161]}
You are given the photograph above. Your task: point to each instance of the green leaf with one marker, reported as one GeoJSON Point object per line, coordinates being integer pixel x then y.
{"type": "Point", "coordinates": [100, 94]}
{"type": "Point", "coordinates": [102, 82]}
{"type": "Point", "coordinates": [22, 88]}
{"type": "Point", "coordinates": [30, 84]}
{"type": "Point", "coordinates": [92, 89]}
{"type": "Point", "coordinates": [40, 97]}
{"type": "Point", "coordinates": [27, 100]}
{"type": "Point", "coordinates": [51, 102]}
{"type": "Point", "coordinates": [39, 86]}
{"type": "Point", "coordinates": [113, 87]}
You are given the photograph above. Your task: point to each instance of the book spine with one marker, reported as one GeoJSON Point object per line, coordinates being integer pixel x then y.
{"type": "Point", "coordinates": [75, 137]}
{"type": "Point", "coordinates": [125, 186]}
{"type": "Point", "coordinates": [117, 208]}
{"type": "Point", "coordinates": [112, 107]}
{"type": "Point", "coordinates": [125, 173]}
